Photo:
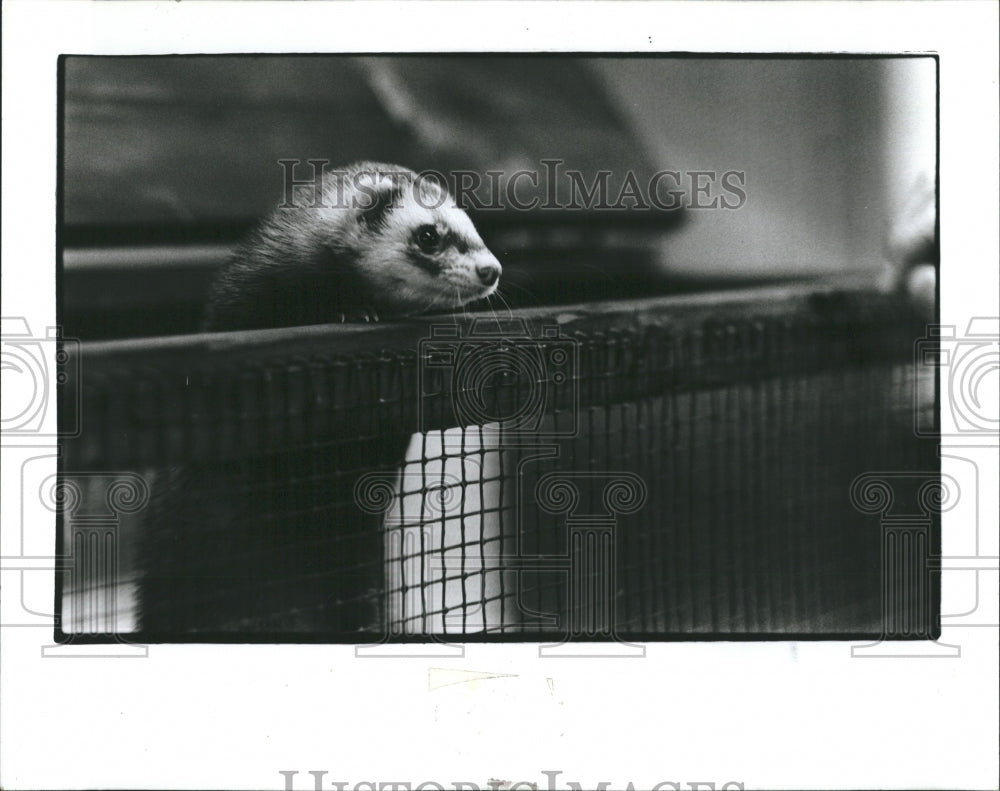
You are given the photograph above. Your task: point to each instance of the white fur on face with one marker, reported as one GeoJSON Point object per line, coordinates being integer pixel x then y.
{"type": "Point", "coordinates": [388, 254]}
{"type": "Point", "coordinates": [390, 262]}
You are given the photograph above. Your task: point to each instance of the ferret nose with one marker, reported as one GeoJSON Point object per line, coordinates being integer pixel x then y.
{"type": "Point", "coordinates": [488, 273]}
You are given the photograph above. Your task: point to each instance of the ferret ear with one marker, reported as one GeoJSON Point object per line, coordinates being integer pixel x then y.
{"type": "Point", "coordinates": [377, 194]}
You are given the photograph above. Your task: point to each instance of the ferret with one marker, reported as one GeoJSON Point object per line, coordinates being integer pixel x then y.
{"type": "Point", "coordinates": [273, 546]}
{"type": "Point", "coordinates": [380, 242]}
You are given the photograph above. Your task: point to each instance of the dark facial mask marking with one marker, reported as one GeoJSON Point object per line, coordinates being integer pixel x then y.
{"type": "Point", "coordinates": [376, 203]}
{"type": "Point", "coordinates": [425, 262]}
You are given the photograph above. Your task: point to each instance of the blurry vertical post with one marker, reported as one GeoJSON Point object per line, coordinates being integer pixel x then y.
{"type": "Point", "coordinates": [94, 602]}
{"type": "Point", "coordinates": [909, 506]}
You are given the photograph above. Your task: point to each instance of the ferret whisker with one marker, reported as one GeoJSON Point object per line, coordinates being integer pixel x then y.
{"type": "Point", "coordinates": [503, 301]}
{"type": "Point", "coordinates": [521, 288]}
{"type": "Point", "coordinates": [489, 303]}
{"type": "Point", "coordinates": [506, 304]}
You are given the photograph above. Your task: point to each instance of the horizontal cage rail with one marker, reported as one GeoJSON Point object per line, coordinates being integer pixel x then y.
{"type": "Point", "coordinates": [217, 396]}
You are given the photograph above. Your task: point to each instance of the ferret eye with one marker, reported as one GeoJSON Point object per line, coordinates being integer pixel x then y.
{"type": "Point", "coordinates": [428, 238]}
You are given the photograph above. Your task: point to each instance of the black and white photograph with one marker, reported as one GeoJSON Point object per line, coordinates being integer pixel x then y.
{"type": "Point", "coordinates": [520, 368]}
{"type": "Point", "coordinates": [394, 357]}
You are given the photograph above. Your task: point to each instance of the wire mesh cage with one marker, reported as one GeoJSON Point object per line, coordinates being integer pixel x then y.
{"type": "Point", "coordinates": [669, 469]}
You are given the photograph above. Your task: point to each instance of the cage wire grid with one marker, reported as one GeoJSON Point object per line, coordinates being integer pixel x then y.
{"type": "Point", "coordinates": [329, 484]}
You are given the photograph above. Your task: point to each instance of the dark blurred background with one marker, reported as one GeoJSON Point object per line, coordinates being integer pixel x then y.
{"type": "Point", "coordinates": [167, 161]}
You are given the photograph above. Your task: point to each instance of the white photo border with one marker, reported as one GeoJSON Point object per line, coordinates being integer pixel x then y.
{"type": "Point", "coordinates": [767, 715]}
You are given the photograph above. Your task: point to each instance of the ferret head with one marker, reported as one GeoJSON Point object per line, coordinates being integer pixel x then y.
{"type": "Point", "coordinates": [410, 242]}
{"type": "Point", "coordinates": [380, 239]}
